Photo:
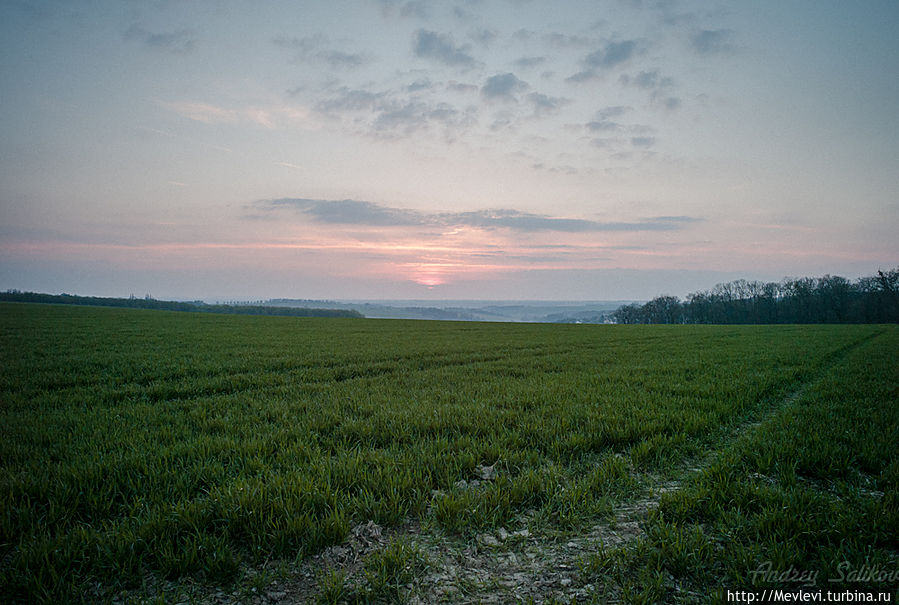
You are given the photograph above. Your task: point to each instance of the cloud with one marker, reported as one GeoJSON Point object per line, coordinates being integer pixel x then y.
{"type": "Point", "coordinates": [612, 111]}
{"type": "Point", "coordinates": [667, 11]}
{"type": "Point", "coordinates": [414, 115]}
{"type": "Point", "coordinates": [440, 47]}
{"type": "Point", "coordinates": [565, 40]}
{"type": "Point", "coordinates": [421, 84]}
{"type": "Point", "coordinates": [712, 41]}
{"type": "Point", "coordinates": [362, 213]}
{"type": "Point", "coordinates": [463, 15]}
{"type": "Point", "coordinates": [676, 219]}
{"type": "Point", "coordinates": [503, 87]}
{"type": "Point", "coordinates": [395, 112]}
{"type": "Point", "coordinates": [603, 126]}
{"type": "Point", "coordinates": [483, 37]}
{"type": "Point", "coordinates": [523, 221]}
{"type": "Point", "coordinates": [178, 42]}
{"type": "Point", "coordinates": [203, 112]}
{"type": "Point", "coordinates": [266, 116]}
{"type": "Point", "coordinates": [416, 9]}
{"type": "Point", "coordinates": [350, 99]}
{"type": "Point", "coordinates": [529, 62]}
{"type": "Point", "coordinates": [316, 49]}
{"type": "Point", "coordinates": [643, 142]}
{"type": "Point", "coordinates": [523, 35]}
{"type": "Point", "coordinates": [603, 122]}
{"type": "Point", "coordinates": [647, 80]}
{"type": "Point", "coordinates": [671, 103]}
{"type": "Point", "coordinates": [611, 55]}
{"type": "Point", "coordinates": [545, 105]}
{"type": "Point", "coordinates": [656, 84]}
{"type": "Point", "coordinates": [616, 136]}
{"type": "Point", "coordinates": [348, 212]}
{"type": "Point", "coordinates": [608, 57]}
{"type": "Point", "coordinates": [454, 86]}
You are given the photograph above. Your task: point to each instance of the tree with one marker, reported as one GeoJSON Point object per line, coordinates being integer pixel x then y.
{"type": "Point", "coordinates": [829, 299]}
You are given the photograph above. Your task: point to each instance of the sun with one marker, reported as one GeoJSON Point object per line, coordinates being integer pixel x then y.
{"type": "Point", "coordinates": [429, 280]}
{"type": "Point", "coordinates": [430, 274]}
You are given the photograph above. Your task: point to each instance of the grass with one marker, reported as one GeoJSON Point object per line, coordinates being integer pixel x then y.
{"type": "Point", "coordinates": [146, 442]}
{"type": "Point", "coordinates": [803, 500]}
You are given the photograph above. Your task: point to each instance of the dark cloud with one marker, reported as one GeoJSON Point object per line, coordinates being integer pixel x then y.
{"type": "Point", "coordinates": [441, 48]}
{"type": "Point", "coordinates": [361, 213]}
{"type": "Point", "coordinates": [613, 111]}
{"type": "Point", "coordinates": [647, 80]}
{"type": "Point", "coordinates": [391, 113]}
{"type": "Point", "coordinates": [503, 87]}
{"type": "Point", "coordinates": [421, 84]}
{"type": "Point", "coordinates": [712, 41]}
{"type": "Point", "coordinates": [616, 136]}
{"type": "Point", "coordinates": [603, 122]}
{"type": "Point", "coordinates": [611, 55]}
{"type": "Point", "coordinates": [339, 59]}
{"type": "Point", "coordinates": [581, 76]}
{"type": "Point", "coordinates": [546, 105]}
{"type": "Point", "coordinates": [348, 212]}
{"type": "Point", "coordinates": [604, 126]}
{"type": "Point", "coordinates": [316, 49]}
{"type": "Point", "coordinates": [484, 37]}
{"type": "Point", "coordinates": [351, 99]}
{"type": "Point", "coordinates": [414, 115]}
{"type": "Point", "coordinates": [454, 86]}
{"type": "Point", "coordinates": [529, 62]}
{"type": "Point", "coordinates": [179, 42]}
{"type": "Point", "coordinates": [608, 57]}
{"type": "Point", "coordinates": [522, 221]}
{"type": "Point", "coordinates": [671, 103]}
{"type": "Point", "coordinates": [657, 85]}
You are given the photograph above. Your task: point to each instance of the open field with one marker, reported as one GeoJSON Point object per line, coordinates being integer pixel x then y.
{"type": "Point", "coordinates": [156, 456]}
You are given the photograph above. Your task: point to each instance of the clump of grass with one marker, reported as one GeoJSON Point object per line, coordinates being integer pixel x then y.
{"type": "Point", "coordinates": [332, 587]}
{"type": "Point", "coordinates": [388, 572]}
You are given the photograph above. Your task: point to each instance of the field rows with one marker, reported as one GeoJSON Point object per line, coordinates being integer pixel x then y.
{"type": "Point", "coordinates": [813, 492]}
{"type": "Point", "coordinates": [175, 445]}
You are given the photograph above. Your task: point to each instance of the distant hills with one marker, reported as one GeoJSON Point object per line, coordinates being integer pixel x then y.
{"type": "Point", "coordinates": [197, 306]}
{"type": "Point", "coordinates": [447, 310]}
{"type": "Point", "coordinates": [471, 310]}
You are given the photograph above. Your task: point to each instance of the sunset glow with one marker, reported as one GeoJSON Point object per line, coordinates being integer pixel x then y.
{"type": "Point", "coordinates": [392, 149]}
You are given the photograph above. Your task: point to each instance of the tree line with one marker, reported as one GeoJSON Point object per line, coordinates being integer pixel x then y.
{"type": "Point", "coordinates": [149, 302]}
{"type": "Point", "coordinates": [828, 299]}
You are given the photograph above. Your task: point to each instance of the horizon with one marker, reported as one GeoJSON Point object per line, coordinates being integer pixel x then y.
{"type": "Point", "coordinates": [447, 303]}
{"type": "Point", "coordinates": [462, 302]}
{"type": "Point", "coordinates": [503, 150]}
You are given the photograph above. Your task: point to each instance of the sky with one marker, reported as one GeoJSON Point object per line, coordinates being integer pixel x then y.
{"type": "Point", "coordinates": [467, 149]}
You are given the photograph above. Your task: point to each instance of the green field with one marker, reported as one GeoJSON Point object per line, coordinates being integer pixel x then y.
{"type": "Point", "coordinates": [166, 457]}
